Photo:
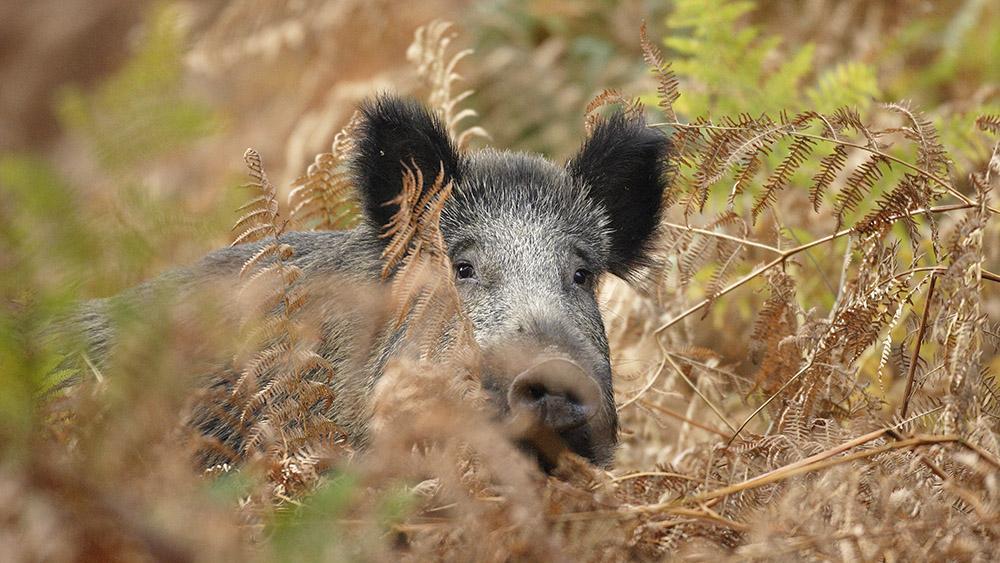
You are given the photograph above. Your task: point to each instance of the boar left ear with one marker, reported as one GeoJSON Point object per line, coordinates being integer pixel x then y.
{"type": "Point", "coordinates": [394, 132]}
{"type": "Point", "coordinates": [624, 166]}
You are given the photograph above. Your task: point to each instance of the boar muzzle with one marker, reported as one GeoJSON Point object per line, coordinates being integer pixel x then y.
{"type": "Point", "coordinates": [557, 392]}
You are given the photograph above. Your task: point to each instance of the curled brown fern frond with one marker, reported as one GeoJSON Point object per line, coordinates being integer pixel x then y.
{"type": "Point", "coordinates": [693, 256]}
{"type": "Point", "coordinates": [429, 52]}
{"type": "Point", "coordinates": [438, 345]}
{"type": "Point", "coordinates": [730, 256]}
{"type": "Point", "coordinates": [742, 140]}
{"type": "Point", "coordinates": [416, 208]}
{"type": "Point", "coordinates": [667, 86]}
{"type": "Point", "coordinates": [849, 118]}
{"type": "Point", "coordinates": [931, 154]}
{"type": "Point", "coordinates": [415, 253]}
{"type": "Point", "coordinates": [758, 141]}
{"type": "Point", "coordinates": [711, 162]}
{"type": "Point", "coordinates": [609, 97]}
{"type": "Point", "coordinates": [428, 307]}
{"type": "Point", "coordinates": [869, 302]}
{"type": "Point", "coordinates": [775, 323]}
{"type": "Point", "coordinates": [322, 198]}
{"type": "Point", "coordinates": [260, 214]}
{"type": "Point", "coordinates": [749, 167]}
{"type": "Point", "coordinates": [282, 251]}
{"type": "Point", "coordinates": [281, 378]}
{"type": "Point", "coordinates": [962, 321]}
{"type": "Point", "coordinates": [989, 123]}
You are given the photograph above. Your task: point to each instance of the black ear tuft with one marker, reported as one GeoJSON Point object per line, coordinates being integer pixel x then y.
{"type": "Point", "coordinates": [393, 132]}
{"type": "Point", "coordinates": [624, 165]}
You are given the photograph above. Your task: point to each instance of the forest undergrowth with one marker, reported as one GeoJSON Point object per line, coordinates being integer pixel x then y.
{"type": "Point", "coordinates": [860, 419]}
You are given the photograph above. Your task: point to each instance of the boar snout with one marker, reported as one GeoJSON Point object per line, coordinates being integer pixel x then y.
{"type": "Point", "coordinates": [556, 391]}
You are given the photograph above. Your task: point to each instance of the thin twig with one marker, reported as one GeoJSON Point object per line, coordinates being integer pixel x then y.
{"type": "Point", "coordinates": [786, 254]}
{"type": "Point", "coordinates": [640, 474]}
{"type": "Point", "coordinates": [795, 469]}
{"type": "Point", "coordinates": [935, 269]}
{"type": "Point", "coordinates": [697, 391]}
{"type": "Point", "coordinates": [850, 444]}
{"type": "Point", "coordinates": [845, 265]}
{"type": "Point", "coordinates": [709, 515]}
{"type": "Point", "coordinates": [717, 234]}
{"type": "Point", "coordinates": [93, 368]}
{"type": "Point", "coordinates": [629, 512]}
{"type": "Point", "coordinates": [791, 232]}
{"type": "Point", "coordinates": [911, 373]}
{"type": "Point", "coordinates": [983, 454]}
{"type": "Point", "coordinates": [679, 416]}
{"type": "Point", "coordinates": [774, 395]}
{"type": "Point", "coordinates": [649, 383]}
{"type": "Point", "coordinates": [703, 365]}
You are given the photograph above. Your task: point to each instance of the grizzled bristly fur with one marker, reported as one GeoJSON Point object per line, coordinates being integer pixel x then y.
{"type": "Point", "coordinates": [624, 166]}
{"type": "Point", "coordinates": [396, 132]}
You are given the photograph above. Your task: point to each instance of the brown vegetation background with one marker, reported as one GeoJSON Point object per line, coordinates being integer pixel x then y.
{"type": "Point", "coordinates": [808, 372]}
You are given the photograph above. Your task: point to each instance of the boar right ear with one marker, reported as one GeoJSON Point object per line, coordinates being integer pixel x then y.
{"type": "Point", "coordinates": [394, 132]}
{"type": "Point", "coordinates": [624, 166]}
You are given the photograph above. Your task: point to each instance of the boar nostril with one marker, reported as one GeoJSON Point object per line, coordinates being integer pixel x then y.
{"type": "Point", "coordinates": [558, 392]}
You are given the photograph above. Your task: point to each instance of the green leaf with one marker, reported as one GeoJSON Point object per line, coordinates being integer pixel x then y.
{"type": "Point", "coordinates": [850, 84]}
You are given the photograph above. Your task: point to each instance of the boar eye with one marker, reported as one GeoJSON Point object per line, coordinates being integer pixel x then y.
{"type": "Point", "coordinates": [464, 270]}
{"type": "Point", "coordinates": [581, 277]}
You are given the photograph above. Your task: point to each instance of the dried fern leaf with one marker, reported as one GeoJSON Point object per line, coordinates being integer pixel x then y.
{"type": "Point", "coordinates": [667, 85]}
{"type": "Point", "coordinates": [401, 228]}
{"type": "Point", "coordinates": [259, 201]}
{"type": "Point", "coordinates": [859, 186]}
{"type": "Point", "coordinates": [254, 261]}
{"type": "Point", "coordinates": [848, 118]}
{"type": "Point", "coordinates": [710, 166]}
{"type": "Point", "coordinates": [989, 123]}
{"type": "Point", "coordinates": [609, 97]}
{"type": "Point", "coordinates": [909, 195]}
{"type": "Point", "coordinates": [747, 172]}
{"type": "Point", "coordinates": [931, 154]}
{"type": "Point", "coordinates": [323, 197]}
{"type": "Point", "coordinates": [829, 168]}
{"type": "Point", "coordinates": [253, 217]}
{"type": "Point", "coordinates": [799, 151]}
{"type": "Point", "coordinates": [262, 211]}
{"type": "Point", "coordinates": [693, 258]}
{"type": "Point", "coordinates": [726, 145]}
{"type": "Point", "coordinates": [429, 53]}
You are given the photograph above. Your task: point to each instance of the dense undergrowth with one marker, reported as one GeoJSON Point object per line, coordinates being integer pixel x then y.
{"type": "Point", "coordinates": [804, 373]}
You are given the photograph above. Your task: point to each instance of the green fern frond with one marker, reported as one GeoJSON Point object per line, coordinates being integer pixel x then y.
{"type": "Point", "coordinates": [851, 84]}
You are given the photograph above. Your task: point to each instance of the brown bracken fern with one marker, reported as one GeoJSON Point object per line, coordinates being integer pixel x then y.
{"type": "Point", "coordinates": [323, 197]}
{"type": "Point", "coordinates": [817, 403]}
{"type": "Point", "coordinates": [841, 407]}
{"type": "Point", "coordinates": [283, 383]}
{"type": "Point", "coordinates": [416, 259]}
{"type": "Point", "coordinates": [667, 85]}
{"type": "Point", "coordinates": [429, 53]}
